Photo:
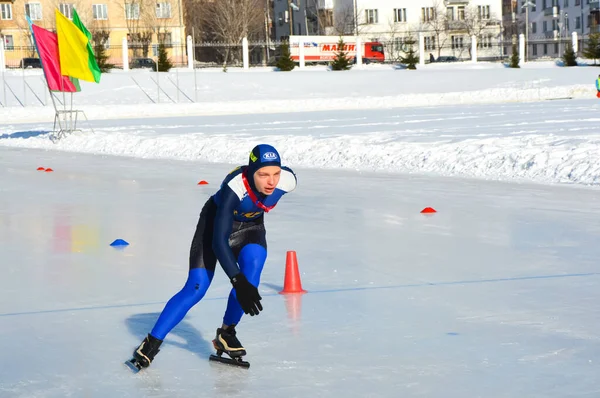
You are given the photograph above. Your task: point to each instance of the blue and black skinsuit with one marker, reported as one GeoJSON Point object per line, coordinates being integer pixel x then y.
{"type": "Point", "coordinates": [231, 230]}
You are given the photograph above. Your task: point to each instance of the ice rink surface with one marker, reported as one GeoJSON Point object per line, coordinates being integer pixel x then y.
{"type": "Point", "coordinates": [495, 295]}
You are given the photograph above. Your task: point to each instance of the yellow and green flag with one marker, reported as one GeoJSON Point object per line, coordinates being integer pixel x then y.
{"type": "Point", "coordinates": [75, 49]}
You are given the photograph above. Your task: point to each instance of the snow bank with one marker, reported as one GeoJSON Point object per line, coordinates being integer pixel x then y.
{"type": "Point", "coordinates": [137, 94]}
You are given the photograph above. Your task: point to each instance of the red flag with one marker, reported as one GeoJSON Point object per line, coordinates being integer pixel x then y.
{"type": "Point", "coordinates": [47, 48]}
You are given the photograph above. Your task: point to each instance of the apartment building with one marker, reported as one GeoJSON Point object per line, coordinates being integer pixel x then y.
{"type": "Point", "coordinates": [549, 24]}
{"type": "Point", "coordinates": [144, 22]}
{"type": "Point", "coordinates": [447, 25]}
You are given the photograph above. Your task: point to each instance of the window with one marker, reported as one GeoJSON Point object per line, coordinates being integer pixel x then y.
{"type": "Point", "coordinates": [544, 5]}
{"type": "Point", "coordinates": [429, 43]}
{"type": "Point", "coordinates": [566, 3]}
{"type": "Point", "coordinates": [484, 12]}
{"type": "Point", "coordinates": [399, 14]}
{"type": "Point", "coordinates": [457, 42]}
{"type": "Point", "coordinates": [371, 16]}
{"type": "Point", "coordinates": [577, 2]}
{"type": "Point", "coordinates": [34, 11]}
{"type": "Point", "coordinates": [5, 11]}
{"type": "Point", "coordinates": [534, 48]}
{"type": "Point", "coordinates": [450, 13]}
{"type": "Point", "coordinates": [9, 43]}
{"type": "Point", "coordinates": [163, 10]}
{"type": "Point", "coordinates": [99, 11]}
{"type": "Point", "coordinates": [554, 24]}
{"type": "Point", "coordinates": [545, 26]}
{"type": "Point", "coordinates": [132, 11]}
{"type": "Point", "coordinates": [567, 24]}
{"type": "Point", "coordinates": [533, 7]}
{"type": "Point", "coordinates": [485, 41]}
{"type": "Point", "coordinates": [534, 27]}
{"type": "Point", "coordinates": [427, 14]}
{"type": "Point", "coordinates": [577, 22]}
{"type": "Point", "coordinates": [556, 48]}
{"type": "Point", "coordinates": [461, 13]}
{"type": "Point", "coordinates": [545, 49]}
{"type": "Point", "coordinates": [66, 10]}
{"type": "Point", "coordinates": [165, 38]}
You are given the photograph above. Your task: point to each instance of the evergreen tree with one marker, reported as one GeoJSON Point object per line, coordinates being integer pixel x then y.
{"type": "Point", "coordinates": [99, 38]}
{"type": "Point", "coordinates": [410, 58]}
{"type": "Point", "coordinates": [164, 64]}
{"type": "Point", "coordinates": [514, 58]}
{"type": "Point", "coordinates": [592, 50]}
{"type": "Point", "coordinates": [285, 62]}
{"type": "Point", "coordinates": [569, 57]}
{"type": "Point", "coordinates": [341, 60]}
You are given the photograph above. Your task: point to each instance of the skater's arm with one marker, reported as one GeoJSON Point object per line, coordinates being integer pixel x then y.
{"type": "Point", "coordinates": [223, 224]}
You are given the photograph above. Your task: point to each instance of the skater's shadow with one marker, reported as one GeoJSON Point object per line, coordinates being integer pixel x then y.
{"type": "Point", "coordinates": [140, 325]}
{"type": "Point", "coordinates": [24, 134]}
{"type": "Point", "coordinates": [276, 288]}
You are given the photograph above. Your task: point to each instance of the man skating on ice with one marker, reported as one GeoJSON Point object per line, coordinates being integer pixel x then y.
{"type": "Point", "coordinates": [230, 230]}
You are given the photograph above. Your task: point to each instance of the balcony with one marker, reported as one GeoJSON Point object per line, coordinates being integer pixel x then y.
{"type": "Point", "coordinates": [455, 25]}
{"type": "Point", "coordinates": [456, 2]}
{"type": "Point", "coordinates": [553, 11]}
{"type": "Point", "coordinates": [325, 4]}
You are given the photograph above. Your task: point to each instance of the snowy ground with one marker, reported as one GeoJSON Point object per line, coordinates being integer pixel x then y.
{"type": "Point", "coordinates": [260, 90]}
{"type": "Point", "coordinates": [493, 296]}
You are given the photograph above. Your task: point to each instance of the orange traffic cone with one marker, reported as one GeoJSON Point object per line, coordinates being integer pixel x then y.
{"type": "Point", "coordinates": [292, 283]}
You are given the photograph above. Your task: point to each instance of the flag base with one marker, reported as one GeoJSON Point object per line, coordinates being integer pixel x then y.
{"type": "Point", "coordinates": [66, 121]}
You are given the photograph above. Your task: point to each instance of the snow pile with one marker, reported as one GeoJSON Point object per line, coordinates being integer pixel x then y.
{"type": "Point", "coordinates": [544, 142]}
{"type": "Point", "coordinates": [140, 94]}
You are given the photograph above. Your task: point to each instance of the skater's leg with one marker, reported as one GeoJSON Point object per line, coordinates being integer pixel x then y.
{"type": "Point", "coordinates": [251, 259]}
{"type": "Point", "coordinates": [195, 288]}
{"type": "Point", "coordinates": [201, 271]}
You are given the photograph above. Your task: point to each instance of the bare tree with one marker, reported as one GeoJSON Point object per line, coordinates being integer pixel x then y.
{"type": "Point", "coordinates": [476, 24]}
{"type": "Point", "coordinates": [347, 22]}
{"type": "Point", "coordinates": [435, 20]}
{"type": "Point", "coordinates": [396, 37]}
{"type": "Point", "coordinates": [229, 21]}
{"type": "Point", "coordinates": [140, 34]}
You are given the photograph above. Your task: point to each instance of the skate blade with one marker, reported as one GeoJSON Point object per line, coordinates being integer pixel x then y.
{"type": "Point", "coordinates": [133, 365]}
{"type": "Point", "coordinates": [230, 361]}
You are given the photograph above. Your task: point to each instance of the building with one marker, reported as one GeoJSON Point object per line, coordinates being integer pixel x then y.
{"type": "Point", "coordinates": [447, 25]}
{"type": "Point", "coordinates": [145, 23]}
{"type": "Point", "coordinates": [548, 25]}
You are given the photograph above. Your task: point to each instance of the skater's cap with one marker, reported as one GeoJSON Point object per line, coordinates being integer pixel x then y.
{"type": "Point", "coordinates": [263, 155]}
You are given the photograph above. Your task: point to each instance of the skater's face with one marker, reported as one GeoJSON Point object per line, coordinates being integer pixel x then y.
{"type": "Point", "coordinates": [266, 179]}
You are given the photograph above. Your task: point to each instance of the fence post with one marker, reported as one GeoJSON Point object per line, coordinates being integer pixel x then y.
{"type": "Point", "coordinates": [2, 57]}
{"type": "Point", "coordinates": [125, 55]}
{"type": "Point", "coordinates": [359, 53]}
{"type": "Point", "coordinates": [190, 53]}
{"type": "Point", "coordinates": [421, 49]}
{"type": "Point", "coordinates": [301, 59]}
{"type": "Point", "coordinates": [2, 69]}
{"type": "Point", "coordinates": [474, 49]}
{"type": "Point", "coordinates": [245, 53]}
{"type": "Point", "coordinates": [522, 48]}
{"type": "Point", "coordinates": [575, 42]}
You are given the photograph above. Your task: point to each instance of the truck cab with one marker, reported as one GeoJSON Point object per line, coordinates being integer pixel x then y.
{"type": "Point", "coordinates": [373, 52]}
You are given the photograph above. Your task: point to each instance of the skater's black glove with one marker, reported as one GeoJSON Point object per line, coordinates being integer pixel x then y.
{"type": "Point", "coordinates": [247, 295]}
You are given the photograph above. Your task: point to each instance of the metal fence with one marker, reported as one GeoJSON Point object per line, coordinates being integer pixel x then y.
{"type": "Point", "coordinates": [216, 54]}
